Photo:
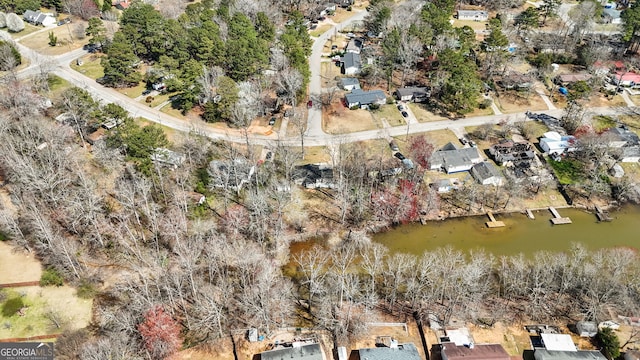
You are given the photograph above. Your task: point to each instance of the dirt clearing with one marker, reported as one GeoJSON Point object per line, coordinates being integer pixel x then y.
{"type": "Point", "coordinates": [17, 265]}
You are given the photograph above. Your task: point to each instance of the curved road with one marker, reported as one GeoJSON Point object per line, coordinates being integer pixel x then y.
{"type": "Point", "coordinates": [315, 136]}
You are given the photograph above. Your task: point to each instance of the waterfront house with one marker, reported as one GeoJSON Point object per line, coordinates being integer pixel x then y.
{"type": "Point", "coordinates": [486, 173]}
{"type": "Point", "coordinates": [473, 15]}
{"type": "Point", "coordinates": [413, 93]}
{"type": "Point", "coordinates": [349, 83]}
{"type": "Point", "coordinates": [363, 99]}
{"type": "Point", "coordinates": [451, 159]}
{"type": "Point", "coordinates": [351, 63]}
{"type": "Point", "coordinates": [554, 143]}
{"type": "Point", "coordinates": [297, 351]}
{"type": "Point", "coordinates": [471, 351]}
{"type": "Point", "coordinates": [508, 152]}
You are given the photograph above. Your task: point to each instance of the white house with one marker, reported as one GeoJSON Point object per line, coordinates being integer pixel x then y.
{"type": "Point", "coordinates": [487, 174]}
{"type": "Point", "coordinates": [351, 63]}
{"type": "Point", "coordinates": [39, 18]}
{"type": "Point", "coordinates": [587, 328]}
{"type": "Point", "coordinates": [451, 159]}
{"type": "Point", "coordinates": [474, 15]}
{"type": "Point", "coordinates": [554, 143]}
{"type": "Point", "coordinates": [350, 84]}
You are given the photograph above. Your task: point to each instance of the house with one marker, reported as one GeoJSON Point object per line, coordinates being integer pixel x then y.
{"type": "Point", "coordinates": [566, 79]}
{"type": "Point", "coordinates": [509, 152]}
{"type": "Point", "coordinates": [313, 176]}
{"type": "Point", "coordinates": [451, 351]}
{"type": "Point", "coordinates": [297, 351]}
{"type": "Point", "coordinates": [474, 15]}
{"type": "Point", "coordinates": [587, 328]}
{"type": "Point", "coordinates": [350, 83]}
{"type": "Point", "coordinates": [620, 136]}
{"type": "Point", "coordinates": [39, 18]}
{"type": "Point", "coordinates": [362, 99]}
{"type": "Point", "coordinates": [329, 8]}
{"type": "Point", "coordinates": [554, 143]}
{"type": "Point", "coordinates": [395, 351]}
{"type": "Point", "coordinates": [121, 4]}
{"type": "Point", "coordinates": [354, 46]}
{"type": "Point", "coordinates": [543, 354]}
{"type": "Point", "coordinates": [234, 174]}
{"type": "Point", "coordinates": [625, 78]}
{"type": "Point", "coordinates": [487, 174]}
{"type": "Point", "coordinates": [630, 154]}
{"type": "Point", "coordinates": [515, 81]}
{"type": "Point", "coordinates": [166, 157]}
{"type": "Point", "coordinates": [351, 63]}
{"type": "Point", "coordinates": [451, 160]}
{"type": "Point", "coordinates": [611, 16]}
{"type": "Point", "coordinates": [558, 342]}
{"type": "Point", "coordinates": [415, 94]}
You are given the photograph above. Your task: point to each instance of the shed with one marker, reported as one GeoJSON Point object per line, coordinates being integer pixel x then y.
{"type": "Point", "coordinates": [587, 328]}
{"type": "Point", "coordinates": [252, 335]}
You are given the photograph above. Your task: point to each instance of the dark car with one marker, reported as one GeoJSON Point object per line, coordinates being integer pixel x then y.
{"type": "Point", "coordinates": [64, 21]}
{"type": "Point", "coordinates": [464, 141]}
{"type": "Point", "coordinates": [399, 156]}
{"type": "Point", "coordinates": [272, 121]}
{"type": "Point", "coordinates": [269, 155]}
{"type": "Point", "coordinates": [309, 104]}
{"type": "Point", "coordinates": [394, 146]}
{"type": "Point", "coordinates": [400, 107]}
{"type": "Point", "coordinates": [405, 114]}
{"type": "Point", "coordinates": [333, 47]}
{"type": "Point", "coordinates": [146, 92]}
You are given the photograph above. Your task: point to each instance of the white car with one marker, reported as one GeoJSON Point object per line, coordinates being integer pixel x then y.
{"type": "Point", "coordinates": [609, 324]}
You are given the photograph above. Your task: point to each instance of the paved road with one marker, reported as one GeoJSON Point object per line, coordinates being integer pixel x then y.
{"type": "Point", "coordinates": [315, 137]}
{"type": "Point", "coordinates": [314, 119]}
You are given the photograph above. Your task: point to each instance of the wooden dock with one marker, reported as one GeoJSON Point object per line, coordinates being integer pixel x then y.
{"type": "Point", "coordinates": [602, 215]}
{"type": "Point", "coordinates": [530, 214]}
{"type": "Point", "coordinates": [557, 219]}
{"type": "Point", "coordinates": [493, 223]}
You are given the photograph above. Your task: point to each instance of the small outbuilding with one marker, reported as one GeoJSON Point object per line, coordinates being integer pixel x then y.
{"type": "Point", "coordinates": [587, 328]}
{"type": "Point", "coordinates": [350, 83]}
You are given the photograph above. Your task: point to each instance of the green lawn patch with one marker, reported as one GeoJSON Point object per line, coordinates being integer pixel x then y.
{"type": "Point", "coordinates": [28, 29]}
{"type": "Point", "coordinates": [90, 66]}
{"type": "Point", "coordinates": [51, 277]}
{"type": "Point", "coordinates": [390, 113]}
{"type": "Point", "coordinates": [568, 171]}
{"type": "Point", "coordinates": [601, 123]}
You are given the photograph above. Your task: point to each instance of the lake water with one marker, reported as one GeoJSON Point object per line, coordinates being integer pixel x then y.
{"type": "Point", "coordinates": [520, 235]}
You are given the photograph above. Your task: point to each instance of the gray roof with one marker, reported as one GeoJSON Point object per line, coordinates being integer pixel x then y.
{"type": "Point", "coordinates": [472, 13]}
{"type": "Point", "coordinates": [351, 60]}
{"type": "Point", "coordinates": [484, 170]}
{"type": "Point", "coordinates": [406, 351]}
{"type": "Point", "coordinates": [365, 97]}
{"type": "Point", "coordinates": [455, 158]}
{"type": "Point", "coordinates": [542, 354]}
{"type": "Point", "coordinates": [166, 156]}
{"type": "Point", "coordinates": [349, 81]}
{"type": "Point", "coordinates": [625, 135]}
{"type": "Point", "coordinates": [413, 91]}
{"type": "Point", "coordinates": [30, 15]}
{"type": "Point", "coordinates": [631, 151]}
{"type": "Point", "coordinates": [304, 352]}
{"type": "Point", "coordinates": [612, 13]}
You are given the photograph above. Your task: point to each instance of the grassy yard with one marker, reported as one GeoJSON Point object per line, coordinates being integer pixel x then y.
{"type": "Point", "coordinates": [475, 25]}
{"type": "Point", "coordinates": [28, 29]}
{"type": "Point", "coordinates": [168, 109]}
{"type": "Point", "coordinates": [423, 114]}
{"type": "Point", "coordinates": [389, 113]}
{"type": "Point", "coordinates": [568, 171]}
{"type": "Point", "coordinates": [315, 154]}
{"type": "Point", "coordinates": [601, 123]}
{"type": "Point", "coordinates": [57, 86]}
{"type": "Point", "coordinates": [345, 121]}
{"type": "Point", "coordinates": [632, 121]}
{"type": "Point", "coordinates": [439, 138]}
{"type": "Point", "coordinates": [329, 72]}
{"type": "Point", "coordinates": [134, 91]}
{"type": "Point", "coordinates": [172, 134]}
{"type": "Point", "coordinates": [67, 40]}
{"type": "Point", "coordinates": [90, 66]}
{"type": "Point", "coordinates": [319, 30]}
{"type": "Point", "coordinates": [599, 100]}
{"type": "Point", "coordinates": [513, 102]}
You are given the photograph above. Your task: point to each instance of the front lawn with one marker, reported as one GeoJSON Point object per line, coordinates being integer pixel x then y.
{"type": "Point", "coordinates": [389, 113]}
{"type": "Point", "coordinates": [90, 66]}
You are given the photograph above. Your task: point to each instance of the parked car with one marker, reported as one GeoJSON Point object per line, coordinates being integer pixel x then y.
{"type": "Point", "coordinates": [400, 107]}
{"type": "Point", "coordinates": [399, 156]}
{"type": "Point", "coordinates": [405, 114]}
{"type": "Point", "coordinates": [473, 144]}
{"type": "Point", "coordinates": [269, 155]}
{"type": "Point", "coordinates": [609, 324]}
{"type": "Point", "coordinates": [464, 141]}
{"type": "Point", "coordinates": [394, 146]}
{"type": "Point", "coordinates": [272, 121]}
{"type": "Point", "coordinates": [309, 104]}
{"type": "Point", "coordinates": [64, 21]}
{"type": "Point", "coordinates": [334, 47]}
{"type": "Point", "coordinates": [146, 92]}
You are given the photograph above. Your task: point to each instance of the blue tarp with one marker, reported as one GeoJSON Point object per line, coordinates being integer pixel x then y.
{"type": "Point", "coordinates": [563, 91]}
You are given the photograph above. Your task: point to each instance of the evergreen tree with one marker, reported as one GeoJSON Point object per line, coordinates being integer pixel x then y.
{"type": "Point", "coordinates": [119, 64]}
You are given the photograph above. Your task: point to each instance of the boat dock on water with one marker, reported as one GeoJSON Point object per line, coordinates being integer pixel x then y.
{"type": "Point", "coordinates": [557, 219]}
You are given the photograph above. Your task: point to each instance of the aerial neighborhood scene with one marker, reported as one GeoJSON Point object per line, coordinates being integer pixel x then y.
{"type": "Point", "coordinates": [320, 179]}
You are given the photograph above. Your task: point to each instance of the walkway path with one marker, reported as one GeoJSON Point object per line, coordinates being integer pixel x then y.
{"type": "Point", "coordinates": [627, 99]}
